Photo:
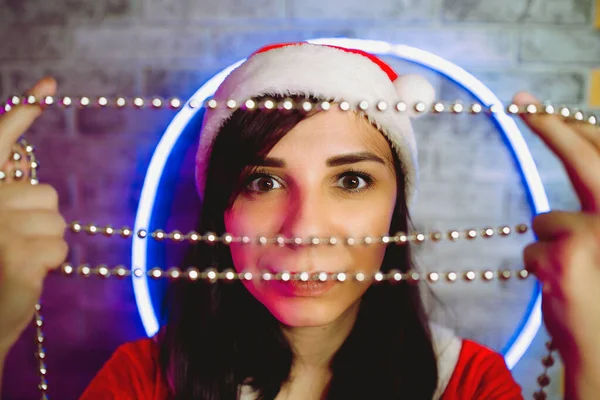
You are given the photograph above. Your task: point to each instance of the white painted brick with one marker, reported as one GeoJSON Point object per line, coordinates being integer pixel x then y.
{"type": "Point", "coordinates": [462, 45]}
{"type": "Point", "coordinates": [518, 11]}
{"type": "Point", "coordinates": [549, 45]}
{"type": "Point", "coordinates": [382, 10]}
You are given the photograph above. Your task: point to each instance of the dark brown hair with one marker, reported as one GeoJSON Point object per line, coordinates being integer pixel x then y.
{"type": "Point", "coordinates": [218, 336]}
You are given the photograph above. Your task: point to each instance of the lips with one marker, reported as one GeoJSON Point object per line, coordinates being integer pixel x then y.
{"type": "Point", "coordinates": [298, 288]}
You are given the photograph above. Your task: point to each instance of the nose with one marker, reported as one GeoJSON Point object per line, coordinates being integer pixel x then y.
{"type": "Point", "coordinates": [308, 216]}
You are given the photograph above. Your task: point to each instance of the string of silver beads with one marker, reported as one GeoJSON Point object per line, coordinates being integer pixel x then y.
{"type": "Point", "coordinates": [437, 107]}
{"type": "Point", "coordinates": [40, 353]}
{"type": "Point", "coordinates": [544, 380]}
{"type": "Point", "coordinates": [213, 275]}
{"type": "Point", "coordinates": [227, 239]}
{"type": "Point", "coordinates": [22, 149]}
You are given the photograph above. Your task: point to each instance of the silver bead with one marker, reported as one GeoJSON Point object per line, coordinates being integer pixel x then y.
{"type": "Point", "coordinates": [137, 272]}
{"type": "Point", "coordinates": [177, 236]}
{"type": "Point", "coordinates": [401, 107]}
{"type": "Point", "coordinates": [102, 101]}
{"type": "Point", "coordinates": [359, 276]}
{"type": "Point", "coordinates": [246, 275]}
{"type": "Point", "coordinates": [229, 275]}
{"type": "Point", "coordinates": [156, 102]}
{"type": "Point", "coordinates": [16, 156]}
{"type": "Point", "coordinates": [193, 237]}
{"type": "Point", "coordinates": [174, 273]}
{"type": "Point", "coordinates": [340, 276]}
{"type": "Point", "coordinates": [227, 239]}
{"type": "Point", "coordinates": [84, 101]}
{"type": "Point", "coordinates": [192, 274]}
{"type": "Point", "coordinates": [325, 106]}
{"type": "Point", "coordinates": [156, 273]}
{"type": "Point", "coordinates": [451, 276]}
{"type": "Point", "coordinates": [433, 277]}
{"type": "Point", "coordinates": [565, 112]}
{"type": "Point", "coordinates": [121, 102]}
{"type": "Point", "coordinates": [513, 109]}
{"type": "Point", "coordinates": [48, 100]}
{"type": "Point", "coordinates": [453, 235]}
{"type": "Point", "coordinates": [549, 109]}
{"type": "Point", "coordinates": [438, 107]}
{"type": "Point", "coordinates": [103, 271]}
{"type": "Point", "coordinates": [382, 106]}
{"type": "Point", "coordinates": [469, 276]}
{"type": "Point", "coordinates": [487, 275]}
{"type": "Point", "coordinates": [158, 234]}
{"type": "Point", "coordinates": [323, 276]}
{"type": "Point", "coordinates": [212, 104]}
{"type": "Point", "coordinates": [175, 103]}
{"type": "Point", "coordinates": [363, 105]}
{"type": "Point", "coordinates": [531, 109]}
{"type": "Point", "coordinates": [138, 102]}
{"type": "Point", "coordinates": [193, 104]}
{"type": "Point", "coordinates": [120, 271]}
{"type": "Point", "coordinates": [66, 101]}
{"type": "Point", "coordinates": [457, 108]}
{"type": "Point", "coordinates": [420, 107]}
{"type": "Point", "coordinates": [18, 174]}
{"type": "Point", "coordinates": [231, 104]}
{"type": "Point", "coordinates": [476, 108]}
{"type": "Point", "coordinates": [250, 104]}
{"type": "Point", "coordinates": [126, 232]}
{"type": "Point", "coordinates": [285, 276]}
{"type": "Point", "coordinates": [269, 104]}
{"type": "Point", "coordinates": [344, 106]}
{"type": "Point", "coordinates": [304, 276]}
{"type": "Point", "coordinates": [307, 106]}
{"type": "Point", "coordinates": [378, 276]}
{"type": "Point", "coordinates": [287, 105]}
{"type": "Point", "coordinates": [108, 231]}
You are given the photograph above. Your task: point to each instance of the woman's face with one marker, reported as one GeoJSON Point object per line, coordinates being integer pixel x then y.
{"type": "Point", "coordinates": [332, 175]}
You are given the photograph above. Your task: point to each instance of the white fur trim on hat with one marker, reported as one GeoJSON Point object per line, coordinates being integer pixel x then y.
{"type": "Point", "coordinates": [325, 73]}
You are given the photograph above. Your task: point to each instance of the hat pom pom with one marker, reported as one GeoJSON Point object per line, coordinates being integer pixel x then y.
{"type": "Point", "coordinates": [413, 89]}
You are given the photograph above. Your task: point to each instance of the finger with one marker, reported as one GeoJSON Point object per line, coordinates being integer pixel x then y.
{"type": "Point", "coordinates": [23, 196]}
{"type": "Point", "coordinates": [589, 131]}
{"type": "Point", "coordinates": [556, 224]}
{"type": "Point", "coordinates": [15, 122]}
{"type": "Point", "coordinates": [536, 261]}
{"type": "Point", "coordinates": [579, 156]}
{"type": "Point", "coordinates": [31, 258]}
{"type": "Point", "coordinates": [32, 223]}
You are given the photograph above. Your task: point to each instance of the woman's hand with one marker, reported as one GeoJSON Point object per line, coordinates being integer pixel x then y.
{"type": "Point", "coordinates": [566, 257]}
{"type": "Point", "coordinates": [31, 228]}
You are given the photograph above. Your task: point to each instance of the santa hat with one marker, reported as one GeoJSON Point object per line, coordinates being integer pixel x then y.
{"type": "Point", "coordinates": [328, 73]}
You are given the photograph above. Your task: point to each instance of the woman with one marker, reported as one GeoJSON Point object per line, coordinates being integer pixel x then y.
{"type": "Point", "coordinates": [300, 174]}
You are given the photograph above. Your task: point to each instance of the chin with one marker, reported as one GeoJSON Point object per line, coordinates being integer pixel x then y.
{"type": "Point", "coordinates": [299, 312]}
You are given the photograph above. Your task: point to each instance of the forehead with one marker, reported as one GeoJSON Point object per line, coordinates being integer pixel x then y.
{"type": "Point", "coordinates": [330, 133]}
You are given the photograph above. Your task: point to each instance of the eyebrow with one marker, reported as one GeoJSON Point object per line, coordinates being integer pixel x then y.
{"type": "Point", "coordinates": [335, 161]}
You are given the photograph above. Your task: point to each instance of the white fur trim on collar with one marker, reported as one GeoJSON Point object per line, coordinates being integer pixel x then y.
{"type": "Point", "coordinates": [321, 71]}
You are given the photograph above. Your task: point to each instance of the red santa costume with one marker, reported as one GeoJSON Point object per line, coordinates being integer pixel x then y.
{"type": "Point", "coordinates": [467, 370]}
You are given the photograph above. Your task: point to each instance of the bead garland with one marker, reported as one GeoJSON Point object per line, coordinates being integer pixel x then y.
{"type": "Point", "coordinates": [212, 275]}
{"type": "Point", "coordinates": [227, 238]}
{"type": "Point", "coordinates": [437, 107]}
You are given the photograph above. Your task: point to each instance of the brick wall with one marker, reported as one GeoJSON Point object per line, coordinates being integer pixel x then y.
{"type": "Point", "coordinates": [97, 159]}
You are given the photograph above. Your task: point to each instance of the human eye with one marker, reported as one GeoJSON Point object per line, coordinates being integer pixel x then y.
{"type": "Point", "coordinates": [355, 181]}
{"type": "Point", "coordinates": [262, 182]}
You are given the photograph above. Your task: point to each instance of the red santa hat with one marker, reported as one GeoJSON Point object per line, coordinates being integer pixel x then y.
{"type": "Point", "coordinates": [329, 73]}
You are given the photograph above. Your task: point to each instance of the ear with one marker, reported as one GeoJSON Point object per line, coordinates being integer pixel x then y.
{"type": "Point", "coordinates": [413, 89]}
